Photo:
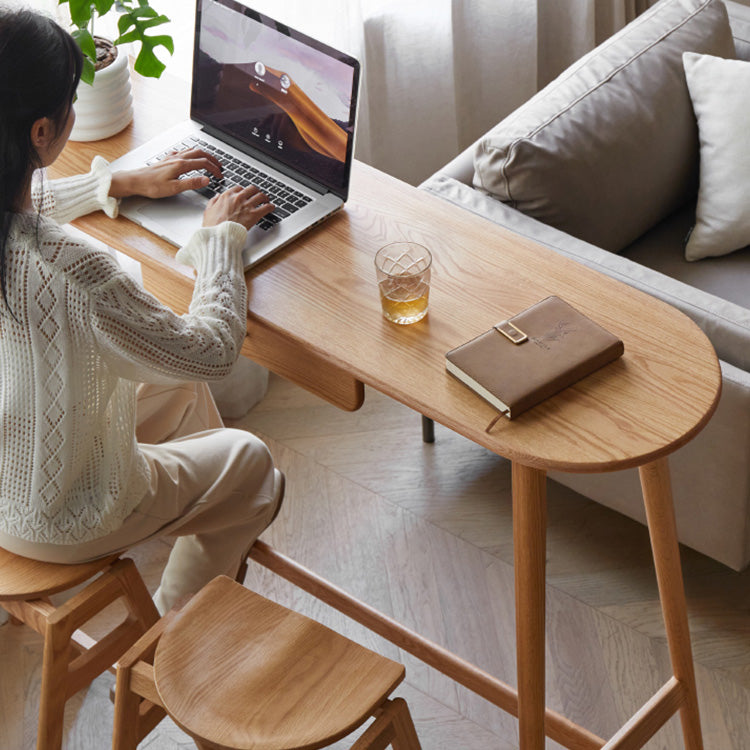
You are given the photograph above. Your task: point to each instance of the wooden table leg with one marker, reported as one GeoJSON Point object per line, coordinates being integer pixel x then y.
{"type": "Point", "coordinates": [657, 495]}
{"type": "Point", "coordinates": [529, 552]}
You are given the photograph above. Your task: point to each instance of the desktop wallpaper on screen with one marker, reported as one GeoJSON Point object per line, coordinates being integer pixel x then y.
{"type": "Point", "coordinates": [255, 81]}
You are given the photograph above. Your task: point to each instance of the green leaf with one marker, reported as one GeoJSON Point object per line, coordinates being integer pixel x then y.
{"type": "Point", "coordinates": [128, 6]}
{"type": "Point", "coordinates": [150, 41]}
{"type": "Point", "coordinates": [86, 42]}
{"type": "Point", "coordinates": [140, 18]}
{"type": "Point", "coordinates": [80, 12]}
{"type": "Point", "coordinates": [87, 72]}
{"type": "Point", "coordinates": [148, 64]}
{"type": "Point", "coordinates": [102, 6]}
{"type": "Point", "coordinates": [133, 26]}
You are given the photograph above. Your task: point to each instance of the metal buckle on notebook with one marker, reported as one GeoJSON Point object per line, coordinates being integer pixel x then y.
{"type": "Point", "coordinates": [511, 332]}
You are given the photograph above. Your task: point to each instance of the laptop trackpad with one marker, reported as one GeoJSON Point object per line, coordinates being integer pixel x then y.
{"type": "Point", "coordinates": [174, 219]}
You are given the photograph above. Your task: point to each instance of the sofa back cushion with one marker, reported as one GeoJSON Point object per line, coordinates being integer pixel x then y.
{"type": "Point", "coordinates": [610, 147]}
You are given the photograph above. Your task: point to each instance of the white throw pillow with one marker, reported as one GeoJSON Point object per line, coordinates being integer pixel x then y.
{"type": "Point", "coordinates": [720, 92]}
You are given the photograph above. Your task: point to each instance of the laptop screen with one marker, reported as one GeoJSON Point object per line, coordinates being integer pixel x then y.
{"type": "Point", "coordinates": [281, 92]}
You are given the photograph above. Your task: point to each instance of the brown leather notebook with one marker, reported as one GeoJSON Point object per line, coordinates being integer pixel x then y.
{"type": "Point", "coordinates": [533, 355]}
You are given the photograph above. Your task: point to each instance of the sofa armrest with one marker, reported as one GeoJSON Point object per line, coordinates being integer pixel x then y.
{"type": "Point", "coordinates": [461, 167]}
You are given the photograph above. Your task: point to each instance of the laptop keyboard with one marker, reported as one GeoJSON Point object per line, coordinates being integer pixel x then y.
{"type": "Point", "coordinates": [287, 199]}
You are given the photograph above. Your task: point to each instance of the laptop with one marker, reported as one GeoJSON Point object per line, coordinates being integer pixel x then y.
{"type": "Point", "coordinates": [277, 108]}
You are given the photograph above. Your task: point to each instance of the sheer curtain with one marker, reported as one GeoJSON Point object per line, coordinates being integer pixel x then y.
{"type": "Point", "coordinates": [438, 73]}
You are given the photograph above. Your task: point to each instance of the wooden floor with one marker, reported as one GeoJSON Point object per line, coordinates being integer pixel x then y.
{"type": "Point", "coordinates": [423, 533]}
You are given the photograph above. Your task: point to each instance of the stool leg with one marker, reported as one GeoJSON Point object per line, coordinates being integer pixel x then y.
{"type": "Point", "coordinates": [428, 430]}
{"type": "Point", "coordinates": [135, 716]}
{"type": "Point", "coordinates": [406, 735]}
{"type": "Point", "coordinates": [392, 726]}
{"type": "Point", "coordinates": [125, 729]}
{"type": "Point", "coordinates": [657, 496]}
{"type": "Point", "coordinates": [137, 599]}
{"type": "Point", "coordinates": [53, 694]}
{"type": "Point", "coordinates": [381, 733]}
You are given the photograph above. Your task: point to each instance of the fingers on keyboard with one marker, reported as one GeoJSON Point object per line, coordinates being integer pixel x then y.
{"type": "Point", "coordinates": [287, 199]}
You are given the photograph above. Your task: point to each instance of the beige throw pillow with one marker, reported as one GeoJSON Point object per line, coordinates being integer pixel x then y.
{"type": "Point", "coordinates": [720, 92]}
{"type": "Point", "coordinates": [610, 147]}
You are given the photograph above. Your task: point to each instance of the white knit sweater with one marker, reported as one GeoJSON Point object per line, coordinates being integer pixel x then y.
{"type": "Point", "coordinates": [81, 335]}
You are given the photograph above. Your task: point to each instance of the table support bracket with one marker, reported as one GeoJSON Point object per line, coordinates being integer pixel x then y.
{"type": "Point", "coordinates": [556, 726]}
{"type": "Point", "coordinates": [529, 492]}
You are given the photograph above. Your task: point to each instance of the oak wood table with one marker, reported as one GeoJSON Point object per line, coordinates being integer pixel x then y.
{"type": "Point", "coordinates": [314, 318]}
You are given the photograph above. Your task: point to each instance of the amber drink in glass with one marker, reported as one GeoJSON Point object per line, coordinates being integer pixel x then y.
{"type": "Point", "coordinates": [403, 271]}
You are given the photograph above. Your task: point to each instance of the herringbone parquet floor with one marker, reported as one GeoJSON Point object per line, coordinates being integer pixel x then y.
{"type": "Point", "coordinates": [423, 533]}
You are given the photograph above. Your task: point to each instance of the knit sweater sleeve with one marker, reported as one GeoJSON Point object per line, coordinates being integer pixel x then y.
{"type": "Point", "coordinates": [143, 340]}
{"type": "Point", "coordinates": [68, 198]}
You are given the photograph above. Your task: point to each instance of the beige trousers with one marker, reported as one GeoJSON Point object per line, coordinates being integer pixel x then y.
{"type": "Point", "coordinates": [212, 487]}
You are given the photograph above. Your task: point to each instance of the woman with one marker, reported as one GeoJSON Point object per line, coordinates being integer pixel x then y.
{"type": "Point", "coordinates": [84, 469]}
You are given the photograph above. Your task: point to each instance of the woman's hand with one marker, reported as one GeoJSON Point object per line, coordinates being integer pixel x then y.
{"type": "Point", "coordinates": [162, 179]}
{"type": "Point", "coordinates": [246, 206]}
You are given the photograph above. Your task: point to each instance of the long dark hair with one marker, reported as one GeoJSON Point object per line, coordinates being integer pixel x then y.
{"type": "Point", "coordinates": [40, 67]}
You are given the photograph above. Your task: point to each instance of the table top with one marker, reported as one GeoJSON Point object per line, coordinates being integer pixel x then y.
{"type": "Point", "coordinates": [318, 298]}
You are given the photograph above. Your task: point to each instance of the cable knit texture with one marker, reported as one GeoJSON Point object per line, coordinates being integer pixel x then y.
{"type": "Point", "coordinates": [82, 335]}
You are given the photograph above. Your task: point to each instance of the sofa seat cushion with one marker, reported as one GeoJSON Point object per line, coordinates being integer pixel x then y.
{"type": "Point", "coordinates": [662, 249]}
{"type": "Point", "coordinates": [725, 322]}
{"type": "Point", "coordinates": [610, 147]}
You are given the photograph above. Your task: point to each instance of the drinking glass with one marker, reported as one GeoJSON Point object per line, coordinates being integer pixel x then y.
{"type": "Point", "coordinates": [403, 272]}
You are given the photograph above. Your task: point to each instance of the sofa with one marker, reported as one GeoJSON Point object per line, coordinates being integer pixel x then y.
{"type": "Point", "coordinates": [635, 161]}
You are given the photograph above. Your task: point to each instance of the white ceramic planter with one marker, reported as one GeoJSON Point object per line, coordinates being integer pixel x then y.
{"type": "Point", "coordinates": [106, 107]}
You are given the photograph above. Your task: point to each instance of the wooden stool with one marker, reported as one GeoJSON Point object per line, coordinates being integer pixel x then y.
{"type": "Point", "coordinates": [71, 658]}
{"type": "Point", "coordinates": [239, 672]}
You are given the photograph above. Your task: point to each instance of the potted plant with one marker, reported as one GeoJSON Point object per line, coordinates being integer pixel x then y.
{"type": "Point", "coordinates": [104, 105]}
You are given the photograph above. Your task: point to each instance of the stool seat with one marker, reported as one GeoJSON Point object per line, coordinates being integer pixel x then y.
{"type": "Point", "coordinates": [23, 578]}
{"type": "Point", "coordinates": [240, 671]}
